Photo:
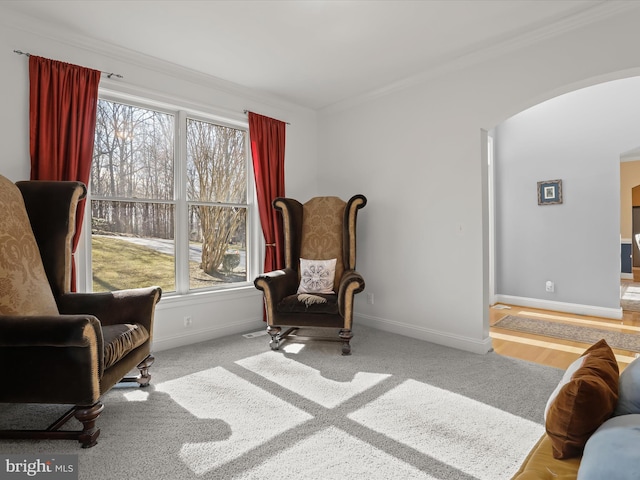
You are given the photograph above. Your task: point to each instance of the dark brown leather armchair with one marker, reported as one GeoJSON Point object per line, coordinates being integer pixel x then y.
{"type": "Point", "coordinates": [59, 347]}
{"type": "Point", "coordinates": [324, 228]}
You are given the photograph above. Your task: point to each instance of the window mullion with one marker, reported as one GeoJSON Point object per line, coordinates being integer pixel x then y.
{"type": "Point", "coordinates": [182, 212]}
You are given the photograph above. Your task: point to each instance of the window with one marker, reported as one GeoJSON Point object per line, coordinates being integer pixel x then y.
{"type": "Point", "coordinates": [166, 211]}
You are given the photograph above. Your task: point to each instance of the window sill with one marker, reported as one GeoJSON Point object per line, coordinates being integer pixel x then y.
{"type": "Point", "coordinates": [224, 294]}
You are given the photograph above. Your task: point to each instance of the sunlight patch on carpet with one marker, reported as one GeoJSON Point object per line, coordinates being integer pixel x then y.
{"type": "Point", "coordinates": [293, 348]}
{"type": "Point", "coordinates": [472, 437]}
{"type": "Point", "coordinates": [242, 409]}
{"type": "Point", "coordinates": [309, 382]}
{"type": "Point", "coordinates": [137, 396]}
{"type": "Point", "coordinates": [331, 454]}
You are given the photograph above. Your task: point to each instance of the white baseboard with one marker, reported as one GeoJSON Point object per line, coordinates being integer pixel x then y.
{"type": "Point", "coordinates": [426, 334]}
{"type": "Point", "coordinates": [626, 276]}
{"type": "Point", "coordinates": [165, 342]}
{"type": "Point", "coordinates": [202, 335]}
{"type": "Point", "coordinates": [574, 308]}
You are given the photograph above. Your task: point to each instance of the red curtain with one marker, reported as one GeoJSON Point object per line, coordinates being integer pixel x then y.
{"type": "Point", "coordinates": [63, 101]}
{"type": "Point", "coordinates": [267, 137]}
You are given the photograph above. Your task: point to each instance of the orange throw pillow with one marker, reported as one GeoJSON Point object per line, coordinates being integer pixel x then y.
{"type": "Point", "coordinates": [583, 401]}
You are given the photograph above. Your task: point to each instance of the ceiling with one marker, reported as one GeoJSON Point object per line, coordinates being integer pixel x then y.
{"type": "Point", "coordinates": [314, 53]}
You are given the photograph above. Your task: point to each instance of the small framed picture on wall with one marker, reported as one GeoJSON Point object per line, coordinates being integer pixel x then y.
{"type": "Point", "coordinates": [550, 192]}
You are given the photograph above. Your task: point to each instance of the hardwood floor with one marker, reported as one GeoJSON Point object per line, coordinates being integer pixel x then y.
{"type": "Point", "coordinates": [550, 351]}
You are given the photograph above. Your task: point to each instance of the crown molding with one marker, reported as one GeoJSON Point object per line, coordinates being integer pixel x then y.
{"type": "Point", "coordinates": [630, 157]}
{"type": "Point", "coordinates": [33, 26]}
{"type": "Point", "coordinates": [465, 58]}
{"type": "Point", "coordinates": [494, 48]}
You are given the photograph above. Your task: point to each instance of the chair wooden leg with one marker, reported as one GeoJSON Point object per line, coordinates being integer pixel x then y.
{"type": "Point", "coordinates": [275, 337]}
{"type": "Point", "coordinates": [88, 416]}
{"type": "Point", "coordinates": [145, 376]}
{"type": "Point", "coordinates": [88, 436]}
{"type": "Point", "coordinates": [346, 336]}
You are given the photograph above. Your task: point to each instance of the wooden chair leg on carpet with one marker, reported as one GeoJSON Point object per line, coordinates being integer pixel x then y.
{"type": "Point", "coordinates": [87, 437]}
{"type": "Point", "coordinates": [274, 332]}
{"type": "Point", "coordinates": [145, 377]}
{"type": "Point", "coordinates": [346, 336]}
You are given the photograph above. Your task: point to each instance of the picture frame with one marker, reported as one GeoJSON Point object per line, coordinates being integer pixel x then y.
{"type": "Point", "coordinates": [550, 192]}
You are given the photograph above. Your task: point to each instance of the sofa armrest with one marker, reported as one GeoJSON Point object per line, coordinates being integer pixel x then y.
{"type": "Point", "coordinates": [123, 306]}
{"type": "Point", "coordinates": [350, 284]}
{"type": "Point", "coordinates": [541, 465]}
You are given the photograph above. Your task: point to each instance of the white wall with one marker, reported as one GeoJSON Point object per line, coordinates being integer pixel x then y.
{"type": "Point", "coordinates": [577, 137]}
{"type": "Point", "coordinates": [213, 314]}
{"type": "Point", "coordinates": [416, 154]}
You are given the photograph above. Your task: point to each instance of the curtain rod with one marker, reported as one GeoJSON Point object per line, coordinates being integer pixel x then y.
{"type": "Point", "coordinates": [247, 111]}
{"type": "Point", "coordinates": [108, 74]}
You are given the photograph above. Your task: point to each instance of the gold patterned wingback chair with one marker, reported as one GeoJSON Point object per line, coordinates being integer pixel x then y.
{"type": "Point", "coordinates": [317, 286]}
{"type": "Point", "coordinates": [56, 346]}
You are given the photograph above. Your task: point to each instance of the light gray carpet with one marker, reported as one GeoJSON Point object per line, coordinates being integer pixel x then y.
{"type": "Point", "coordinates": [577, 333]}
{"type": "Point", "coordinates": [233, 409]}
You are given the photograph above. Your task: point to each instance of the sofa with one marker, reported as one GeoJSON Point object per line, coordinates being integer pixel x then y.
{"type": "Point", "coordinates": [592, 423]}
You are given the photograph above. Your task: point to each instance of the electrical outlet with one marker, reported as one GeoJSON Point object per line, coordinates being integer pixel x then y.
{"type": "Point", "coordinates": [550, 286]}
{"type": "Point", "coordinates": [370, 298]}
{"type": "Point", "coordinates": [187, 321]}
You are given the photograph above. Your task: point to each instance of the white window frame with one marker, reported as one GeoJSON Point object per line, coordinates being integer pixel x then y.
{"type": "Point", "coordinates": [254, 250]}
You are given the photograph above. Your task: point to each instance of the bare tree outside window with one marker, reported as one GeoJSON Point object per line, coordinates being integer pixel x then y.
{"type": "Point", "coordinates": [217, 193]}
{"type": "Point", "coordinates": [134, 205]}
